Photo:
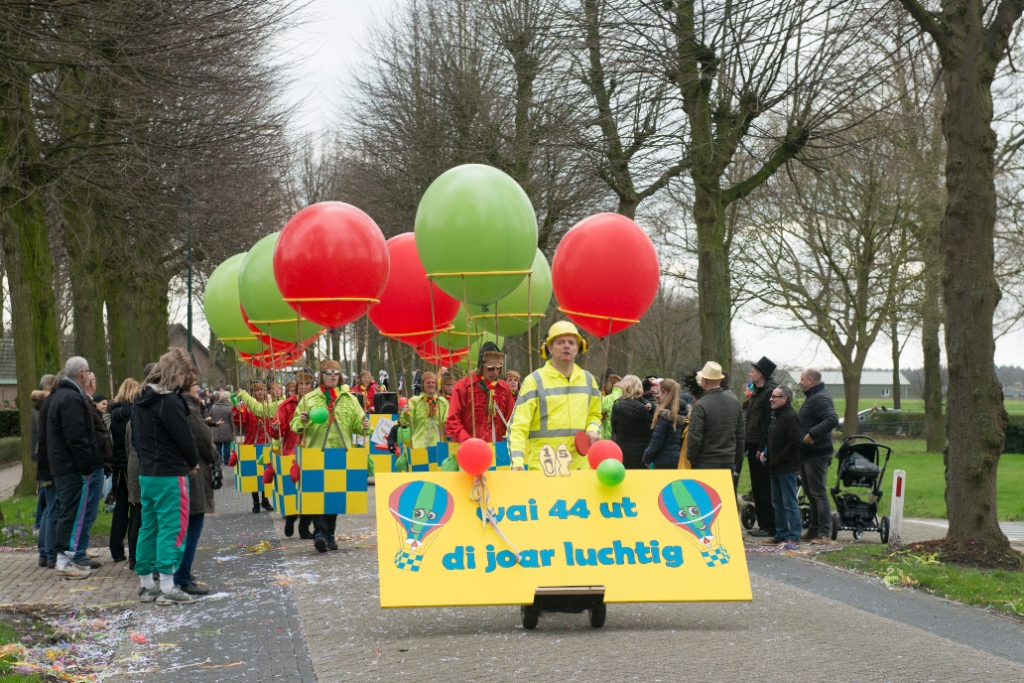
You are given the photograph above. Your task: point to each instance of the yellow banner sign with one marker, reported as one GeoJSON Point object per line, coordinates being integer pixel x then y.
{"type": "Point", "coordinates": [661, 536]}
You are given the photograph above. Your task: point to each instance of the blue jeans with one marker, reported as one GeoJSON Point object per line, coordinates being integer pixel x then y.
{"type": "Point", "coordinates": [183, 575]}
{"type": "Point", "coordinates": [224, 448]}
{"type": "Point", "coordinates": [47, 522]}
{"type": "Point", "coordinates": [92, 509]}
{"type": "Point", "coordinates": [787, 510]}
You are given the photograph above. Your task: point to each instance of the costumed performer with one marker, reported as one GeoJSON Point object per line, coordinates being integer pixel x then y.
{"type": "Point", "coordinates": [427, 413]}
{"type": "Point", "coordinates": [344, 410]}
{"type": "Point", "coordinates": [565, 394]}
{"type": "Point", "coordinates": [289, 440]}
{"type": "Point", "coordinates": [481, 404]}
{"type": "Point", "coordinates": [255, 418]}
{"type": "Point", "coordinates": [368, 388]}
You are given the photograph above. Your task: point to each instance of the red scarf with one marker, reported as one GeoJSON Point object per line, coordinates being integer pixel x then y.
{"type": "Point", "coordinates": [331, 394]}
{"type": "Point", "coordinates": [488, 389]}
{"type": "Point", "coordinates": [431, 402]}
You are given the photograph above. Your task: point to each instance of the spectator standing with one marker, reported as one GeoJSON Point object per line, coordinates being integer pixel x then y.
{"type": "Point", "coordinates": [513, 379]}
{"type": "Point", "coordinates": [715, 436]}
{"type": "Point", "coordinates": [610, 393]}
{"type": "Point", "coordinates": [200, 494]}
{"type": "Point", "coordinates": [96, 479]}
{"type": "Point", "coordinates": [120, 416]}
{"type": "Point", "coordinates": [47, 502]}
{"type": "Point", "coordinates": [758, 421]}
{"type": "Point", "coordinates": [783, 461]}
{"type": "Point", "coordinates": [74, 456]}
{"type": "Point", "coordinates": [667, 440]}
{"type": "Point", "coordinates": [223, 434]}
{"type": "Point", "coordinates": [631, 422]}
{"type": "Point", "coordinates": [817, 420]}
{"type": "Point", "coordinates": [167, 455]}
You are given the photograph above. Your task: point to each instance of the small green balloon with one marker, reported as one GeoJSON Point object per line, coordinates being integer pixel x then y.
{"type": "Point", "coordinates": [476, 219]}
{"type": "Point", "coordinates": [319, 415]}
{"type": "Point", "coordinates": [220, 302]}
{"type": "Point", "coordinates": [261, 298]}
{"type": "Point", "coordinates": [461, 335]}
{"type": "Point", "coordinates": [611, 472]}
{"type": "Point", "coordinates": [529, 301]}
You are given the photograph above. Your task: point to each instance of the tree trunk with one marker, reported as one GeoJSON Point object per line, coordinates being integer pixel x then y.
{"type": "Point", "coordinates": [713, 285]}
{"type": "Point", "coordinates": [336, 344]}
{"type": "Point", "coordinates": [894, 335]}
{"type": "Point", "coordinates": [27, 257]}
{"type": "Point", "coordinates": [851, 388]}
{"type": "Point", "coordinates": [931, 321]}
{"type": "Point", "coordinates": [152, 316]}
{"type": "Point", "coordinates": [976, 429]}
{"type": "Point", "coordinates": [123, 327]}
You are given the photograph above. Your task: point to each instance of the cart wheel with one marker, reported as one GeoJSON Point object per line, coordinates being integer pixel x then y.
{"type": "Point", "coordinates": [835, 526]}
{"type": "Point", "coordinates": [858, 531]}
{"type": "Point", "coordinates": [805, 517]}
{"type": "Point", "coordinates": [597, 616]}
{"type": "Point", "coordinates": [883, 529]}
{"type": "Point", "coordinates": [531, 618]}
{"type": "Point", "coordinates": [748, 516]}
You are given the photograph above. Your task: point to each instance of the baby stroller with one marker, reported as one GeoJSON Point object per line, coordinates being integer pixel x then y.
{"type": "Point", "coordinates": [860, 466]}
{"type": "Point", "coordinates": [748, 515]}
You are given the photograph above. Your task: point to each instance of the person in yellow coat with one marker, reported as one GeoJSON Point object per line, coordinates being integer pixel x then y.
{"type": "Point", "coordinates": [555, 402]}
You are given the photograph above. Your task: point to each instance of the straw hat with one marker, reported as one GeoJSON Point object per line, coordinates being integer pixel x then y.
{"type": "Point", "coordinates": [711, 371]}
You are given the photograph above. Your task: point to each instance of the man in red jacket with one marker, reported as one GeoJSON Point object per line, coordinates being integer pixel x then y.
{"type": "Point", "coordinates": [255, 430]}
{"type": "Point", "coordinates": [481, 404]}
{"type": "Point", "coordinates": [289, 440]}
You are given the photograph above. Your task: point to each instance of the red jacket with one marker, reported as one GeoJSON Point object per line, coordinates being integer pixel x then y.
{"type": "Point", "coordinates": [257, 430]}
{"type": "Point", "coordinates": [459, 424]}
{"type": "Point", "coordinates": [368, 394]}
{"type": "Point", "coordinates": [289, 439]}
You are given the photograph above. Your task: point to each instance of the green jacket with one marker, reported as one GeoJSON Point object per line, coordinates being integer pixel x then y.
{"type": "Point", "coordinates": [259, 409]}
{"type": "Point", "coordinates": [348, 415]}
{"type": "Point", "coordinates": [606, 411]}
{"type": "Point", "coordinates": [427, 431]}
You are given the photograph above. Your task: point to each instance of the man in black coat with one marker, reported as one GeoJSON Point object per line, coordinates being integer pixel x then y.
{"type": "Point", "coordinates": [74, 455]}
{"type": "Point", "coordinates": [783, 461]}
{"type": "Point", "coordinates": [758, 420]}
{"type": "Point", "coordinates": [817, 420]}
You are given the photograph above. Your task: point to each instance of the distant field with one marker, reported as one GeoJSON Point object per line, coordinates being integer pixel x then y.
{"type": "Point", "coordinates": [916, 405]}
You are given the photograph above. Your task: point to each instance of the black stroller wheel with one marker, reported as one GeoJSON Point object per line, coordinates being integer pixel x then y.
{"type": "Point", "coordinates": [883, 529]}
{"type": "Point", "coordinates": [805, 516]}
{"type": "Point", "coordinates": [748, 516]}
{"type": "Point", "coordinates": [858, 531]}
{"type": "Point", "coordinates": [835, 526]}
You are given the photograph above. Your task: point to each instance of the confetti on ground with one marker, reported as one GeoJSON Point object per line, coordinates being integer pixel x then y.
{"type": "Point", "coordinates": [259, 548]}
{"type": "Point", "coordinates": [792, 549]}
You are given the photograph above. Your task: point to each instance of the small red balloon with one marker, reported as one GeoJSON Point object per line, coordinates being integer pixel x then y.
{"type": "Point", "coordinates": [233, 460]}
{"type": "Point", "coordinates": [404, 311]}
{"type": "Point", "coordinates": [474, 456]}
{"type": "Point", "coordinates": [295, 472]}
{"type": "Point", "coordinates": [593, 248]}
{"type": "Point", "coordinates": [329, 260]}
{"type": "Point", "coordinates": [603, 450]}
{"type": "Point", "coordinates": [268, 474]}
{"type": "Point", "coordinates": [403, 402]}
{"type": "Point", "coordinates": [432, 353]}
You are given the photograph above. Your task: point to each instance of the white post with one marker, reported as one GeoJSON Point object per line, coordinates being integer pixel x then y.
{"type": "Point", "coordinates": [899, 489]}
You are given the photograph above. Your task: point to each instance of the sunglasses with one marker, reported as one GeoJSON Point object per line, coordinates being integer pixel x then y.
{"type": "Point", "coordinates": [332, 372]}
{"type": "Point", "coordinates": [492, 368]}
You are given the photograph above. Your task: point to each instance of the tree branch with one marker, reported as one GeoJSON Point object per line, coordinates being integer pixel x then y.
{"type": "Point", "coordinates": [928, 22]}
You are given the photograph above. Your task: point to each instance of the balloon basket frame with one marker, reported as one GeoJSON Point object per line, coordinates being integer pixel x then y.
{"type": "Point", "coordinates": [566, 600]}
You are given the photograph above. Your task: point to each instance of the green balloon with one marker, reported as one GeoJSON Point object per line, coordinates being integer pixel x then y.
{"type": "Point", "coordinates": [261, 298]}
{"type": "Point", "coordinates": [474, 348]}
{"type": "Point", "coordinates": [461, 335]}
{"type": "Point", "coordinates": [611, 472]}
{"type": "Point", "coordinates": [220, 302]}
{"type": "Point", "coordinates": [318, 415]}
{"type": "Point", "coordinates": [516, 304]}
{"type": "Point", "coordinates": [476, 219]}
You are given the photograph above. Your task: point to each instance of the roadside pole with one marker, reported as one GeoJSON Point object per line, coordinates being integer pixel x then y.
{"type": "Point", "coordinates": [899, 488]}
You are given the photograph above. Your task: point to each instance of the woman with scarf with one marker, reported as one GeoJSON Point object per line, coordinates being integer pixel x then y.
{"type": "Point", "coordinates": [368, 388]}
{"type": "Point", "coordinates": [346, 419]}
{"type": "Point", "coordinates": [481, 404]}
{"type": "Point", "coordinates": [427, 414]}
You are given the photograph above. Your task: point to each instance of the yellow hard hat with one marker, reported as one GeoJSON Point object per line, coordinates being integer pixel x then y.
{"type": "Point", "coordinates": [560, 329]}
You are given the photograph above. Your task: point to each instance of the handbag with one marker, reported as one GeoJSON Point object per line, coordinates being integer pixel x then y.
{"type": "Point", "coordinates": [217, 476]}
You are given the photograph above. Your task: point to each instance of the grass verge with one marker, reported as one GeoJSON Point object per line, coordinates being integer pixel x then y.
{"type": "Point", "coordinates": [9, 635]}
{"type": "Point", "coordinates": [20, 516]}
{"type": "Point", "coordinates": [995, 589]}
{"type": "Point", "coordinates": [926, 481]}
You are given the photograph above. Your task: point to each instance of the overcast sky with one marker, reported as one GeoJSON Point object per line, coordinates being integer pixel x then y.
{"type": "Point", "coordinates": [323, 55]}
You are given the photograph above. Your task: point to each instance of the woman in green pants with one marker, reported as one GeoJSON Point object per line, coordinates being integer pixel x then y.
{"type": "Point", "coordinates": [167, 455]}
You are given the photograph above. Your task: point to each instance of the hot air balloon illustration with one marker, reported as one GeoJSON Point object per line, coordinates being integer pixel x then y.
{"type": "Point", "coordinates": [420, 508]}
{"type": "Point", "coordinates": [693, 508]}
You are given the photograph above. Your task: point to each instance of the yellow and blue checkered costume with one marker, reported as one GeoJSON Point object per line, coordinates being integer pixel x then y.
{"type": "Point", "coordinates": [332, 481]}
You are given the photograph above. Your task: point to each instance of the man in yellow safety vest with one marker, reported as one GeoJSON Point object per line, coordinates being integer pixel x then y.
{"type": "Point", "coordinates": [555, 402]}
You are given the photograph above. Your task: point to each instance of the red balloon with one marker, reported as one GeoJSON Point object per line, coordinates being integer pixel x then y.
{"type": "Point", "coordinates": [295, 472]}
{"type": "Point", "coordinates": [262, 338]}
{"type": "Point", "coordinates": [404, 309]}
{"type": "Point", "coordinates": [432, 353]}
{"type": "Point", "coordinates": [474, 456]}
{"type": "Point", "coordinates": [268, 474]}
{"type": "Point", "coordinates": [331, 250]}
{"type": "Point", "coordinates": [584, 268]}
{"type": "Point", "coordinates": [603, 450]}
{"type": "Point", "coordinates": [403, 402]}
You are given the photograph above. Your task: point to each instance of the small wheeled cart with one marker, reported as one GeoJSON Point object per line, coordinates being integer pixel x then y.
{"type": "Point", "coordinates": [566, 599]}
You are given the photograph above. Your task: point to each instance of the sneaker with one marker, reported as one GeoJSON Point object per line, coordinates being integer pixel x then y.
{"type": "Point", "coordinates": [149, 594]}
{"type": "Point", "coordinates": [51, 564]}
{"type": "Point", "coordinates": [331, 544]}
{"type": "Point", "coordinates": [320, 543]}
{"type": "Point", "coordinates": [772, 541]}
{"type": "Point", "coordinates": [90, 563]}
{"type": "Point", "coordinates": [194, 588]}
{"type": "Point", "coordinates": [74, 572]}
{"type": "Point", "coordinates": [821, 540]}
{"type": "Point", "coordinates": [760, 533]}
{"type": "Point", "coordinates": [175, 597]}
{"type": "Point", "coordinates": [267, 505]}
{"type": "Point", "coordinates": [289, 526]}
